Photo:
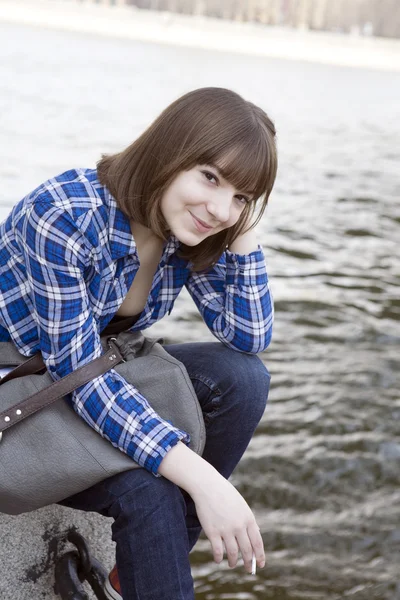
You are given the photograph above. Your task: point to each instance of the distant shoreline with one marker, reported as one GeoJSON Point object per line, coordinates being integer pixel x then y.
{"type": "Point", "coordinates": [204, 32]}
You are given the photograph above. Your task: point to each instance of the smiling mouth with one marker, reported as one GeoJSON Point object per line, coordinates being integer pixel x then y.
{"type": "Point", "coordinates": [200, 225]}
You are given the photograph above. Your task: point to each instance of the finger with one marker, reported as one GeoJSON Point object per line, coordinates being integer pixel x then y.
{"type": "Point", "coordinates": [217, 549]}
{"type": "Point", "coordinates": [257, 543]}
{"type": "Point", "coordinates": [232, 550]}
{"type": "Point", "coordinates": [246, 549]}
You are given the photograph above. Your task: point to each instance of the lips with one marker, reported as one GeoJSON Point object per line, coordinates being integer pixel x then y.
{"type": "Point", "coordinates": [201, 225]}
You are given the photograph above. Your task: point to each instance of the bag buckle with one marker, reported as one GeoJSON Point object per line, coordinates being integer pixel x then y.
{"type": "Point", "coordinates": [112, 344]}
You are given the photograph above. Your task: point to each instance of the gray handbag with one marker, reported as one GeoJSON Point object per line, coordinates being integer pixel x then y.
{"type": "Point", "coordinates": [47, 452]}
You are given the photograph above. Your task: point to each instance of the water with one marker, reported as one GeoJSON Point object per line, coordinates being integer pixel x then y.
{"type": "Point", "coordinates": [322, 473]}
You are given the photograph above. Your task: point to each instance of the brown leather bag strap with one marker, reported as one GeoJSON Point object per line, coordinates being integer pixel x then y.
{"type": "Point", "coordinates": [33, 365]}
{"type": "Point", "coordinates": [60, 388]}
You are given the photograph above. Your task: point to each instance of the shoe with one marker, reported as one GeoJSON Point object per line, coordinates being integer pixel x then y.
{"type": "Point", "coordinates": [112, 588]}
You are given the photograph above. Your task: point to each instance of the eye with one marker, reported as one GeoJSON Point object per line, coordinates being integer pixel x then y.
{"type": "Point", "coordinates": [243, 199]}
{"type": "Point", "coordinates": [210, 177]}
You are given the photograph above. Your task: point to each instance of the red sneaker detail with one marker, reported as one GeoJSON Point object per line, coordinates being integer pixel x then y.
{"type": "Point", "coordinates": [112, 587]}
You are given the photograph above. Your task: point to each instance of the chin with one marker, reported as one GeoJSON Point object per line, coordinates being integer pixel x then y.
{"type": "Point", "coordinates": [187, 237]}
{"type": "Point", "coordinates": [189, 240]}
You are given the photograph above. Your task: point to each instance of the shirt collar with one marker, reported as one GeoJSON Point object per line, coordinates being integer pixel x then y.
{"type": "Point", "coordinates": [122, 242]}
{"type": "Point", "coordinates": [170, 246]}
{"type": "Point", "coordinates": [120, 237]}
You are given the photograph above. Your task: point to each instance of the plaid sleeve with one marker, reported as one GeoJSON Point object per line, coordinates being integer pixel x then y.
{"type": "Point", "coordinates": [57, 257]}
{"type": "Point", "coordinates": [235, 301]}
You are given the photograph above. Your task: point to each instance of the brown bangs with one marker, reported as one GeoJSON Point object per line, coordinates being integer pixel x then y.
{"type": "Point", "coordinates": [247, 167]}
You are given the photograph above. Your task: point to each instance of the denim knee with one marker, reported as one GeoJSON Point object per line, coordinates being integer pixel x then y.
{"type": "Point", "coordinates": [238, 383]}
{"type": "Point", "coordinates": [247, 380]}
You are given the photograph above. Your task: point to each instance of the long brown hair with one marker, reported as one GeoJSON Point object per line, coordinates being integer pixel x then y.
{"type": "Point", "coordinates": [206, 126]}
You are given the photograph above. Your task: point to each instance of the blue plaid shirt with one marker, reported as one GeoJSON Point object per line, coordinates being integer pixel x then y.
{"type": "Point", "coordinates": [67, 260]}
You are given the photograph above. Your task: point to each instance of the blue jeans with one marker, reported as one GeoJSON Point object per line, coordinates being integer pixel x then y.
{"type": "Point", "coordinates": [155, 524]}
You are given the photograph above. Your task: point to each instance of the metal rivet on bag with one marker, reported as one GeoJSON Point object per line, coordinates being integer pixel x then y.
{"type": "Point", "coordinates": [6, 419]}
{"type": "Point", "coordinates": [18, 412]}
{"type": "Point", "coordinates": [112, 357]}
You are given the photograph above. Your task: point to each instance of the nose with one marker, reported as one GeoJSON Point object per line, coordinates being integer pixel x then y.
{"type": "Point", "coordinates": [219, 207]}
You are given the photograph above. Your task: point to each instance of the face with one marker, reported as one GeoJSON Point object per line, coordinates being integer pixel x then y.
{"type": "Point", "coordinates": [200, 203]}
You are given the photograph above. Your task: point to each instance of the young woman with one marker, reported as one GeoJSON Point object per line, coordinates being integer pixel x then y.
{"type": "Point", "coordinates": [92, 246]}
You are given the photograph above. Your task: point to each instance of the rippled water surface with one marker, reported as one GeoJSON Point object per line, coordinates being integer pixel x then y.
{"type": "Point", "coordinates": [323, 471]}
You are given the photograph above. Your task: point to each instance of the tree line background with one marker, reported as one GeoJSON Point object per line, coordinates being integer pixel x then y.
{"type": "Point", "coordinates": [367, 17]}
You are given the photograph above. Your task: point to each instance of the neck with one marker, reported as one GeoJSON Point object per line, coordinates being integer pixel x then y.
{"type": "Point", "coordinates": [143, 234]}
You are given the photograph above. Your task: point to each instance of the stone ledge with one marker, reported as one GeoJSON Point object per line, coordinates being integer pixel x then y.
{"type": "Point", "coordinates": [30, 544]}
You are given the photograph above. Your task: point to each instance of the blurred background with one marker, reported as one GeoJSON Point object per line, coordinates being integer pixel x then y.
{"type": "Point", "coordinates": [78, 79]}
{"type": "Point", "coordinates": [369, 17]}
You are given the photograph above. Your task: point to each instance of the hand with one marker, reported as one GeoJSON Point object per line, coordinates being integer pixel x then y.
{"type": "Point", "coordinates": [246, 242]}
{"type": "Point", "coordinates": [228, 521]}
{"type": "Point", "coordinates": [223, 513]}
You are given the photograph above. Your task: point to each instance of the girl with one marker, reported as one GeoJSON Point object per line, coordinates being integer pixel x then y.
{"type": "Point", "coordinates": [94, 246]}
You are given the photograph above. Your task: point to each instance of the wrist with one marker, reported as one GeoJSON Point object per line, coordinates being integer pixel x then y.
{"type": "Point", "coordinates": [187, 469]}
